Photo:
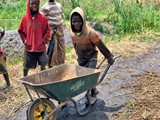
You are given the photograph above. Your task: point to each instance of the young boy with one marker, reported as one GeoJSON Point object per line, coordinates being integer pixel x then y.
{"type": "Point", "coordinates": [56, 49]}
{"type": "Point", "coordinates": [3, 67]}
{"type": "Point", "coordinates": [34, 32]}
{"type": "Point", "coordinates": [85, 39]}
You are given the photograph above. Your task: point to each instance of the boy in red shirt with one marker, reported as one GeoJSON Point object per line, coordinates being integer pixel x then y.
{"type": "Point", "coordinates": [3, 67]}
{"type": "Point", "coordinates": [34, 32]}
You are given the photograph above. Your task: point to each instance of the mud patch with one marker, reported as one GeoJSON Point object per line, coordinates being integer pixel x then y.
{"type": "Point", "coordinates": [146, 104]}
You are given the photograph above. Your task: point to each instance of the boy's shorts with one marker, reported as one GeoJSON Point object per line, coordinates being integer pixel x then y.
{"type": "Point", "coordinates": [31, 59]}
{"type": "Point", "coordinates": [91, 64]}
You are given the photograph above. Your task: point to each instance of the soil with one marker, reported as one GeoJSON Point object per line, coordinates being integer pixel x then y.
{"type": "Point", "coordinates": [130, 90]}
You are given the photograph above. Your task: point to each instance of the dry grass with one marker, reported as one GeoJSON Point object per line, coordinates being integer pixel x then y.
{"type": "Point", "coordinates": [130, 48]}
{"type": "Point", "coordinates": [146, 105]}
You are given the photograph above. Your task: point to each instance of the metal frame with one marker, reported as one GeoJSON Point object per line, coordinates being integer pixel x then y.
{"type": "Point", "coordinates": [70, 99]}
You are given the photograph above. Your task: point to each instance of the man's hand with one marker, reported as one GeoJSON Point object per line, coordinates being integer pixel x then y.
{"type": "Point", "coordinates": [25, 42]}
{"type": "Point", "coordinates": [44, 41]}
{"type": "Point", "coordinates": [110, 60]}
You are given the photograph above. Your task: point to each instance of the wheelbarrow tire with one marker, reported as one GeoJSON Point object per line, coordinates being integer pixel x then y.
{"type": "Point", "coordinates": [35, 110]}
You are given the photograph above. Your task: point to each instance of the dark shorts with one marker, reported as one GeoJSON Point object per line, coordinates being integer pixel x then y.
{"type": "Point", "coordinates": [91, 64]}
{"type": "Point", "coordinates": [31, 59]}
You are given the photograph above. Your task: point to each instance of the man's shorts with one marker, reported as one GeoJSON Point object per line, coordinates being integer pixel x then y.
{"type": "Point", "coordinates": [91, 64]}
{"type": "Point", "coordinates": [31, 59]}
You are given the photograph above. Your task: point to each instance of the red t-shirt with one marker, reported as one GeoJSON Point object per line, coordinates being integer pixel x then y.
{"type": "Point", "coordinates": [32, 31]}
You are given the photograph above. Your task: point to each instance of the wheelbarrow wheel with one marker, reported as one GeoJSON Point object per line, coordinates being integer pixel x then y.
{"type": "Point", "coordinates": [37, 112]}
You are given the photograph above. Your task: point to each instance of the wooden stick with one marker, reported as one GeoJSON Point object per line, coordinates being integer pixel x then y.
{"type": "Point", "coordinates": [10, 112]}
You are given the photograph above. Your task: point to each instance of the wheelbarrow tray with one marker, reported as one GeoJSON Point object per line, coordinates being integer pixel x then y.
{"type": "Point", "coordinates": [63, 82]}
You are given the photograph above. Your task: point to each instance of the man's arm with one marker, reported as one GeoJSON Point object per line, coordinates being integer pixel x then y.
{"type": "Point", "coordinates": [105, 51]}
{"type": "Point", "coordinates": [21, 30]}
{"type": "Point", "coordinates": [46, 34]}
{"type": "Point", "coordinates": [63, 17]}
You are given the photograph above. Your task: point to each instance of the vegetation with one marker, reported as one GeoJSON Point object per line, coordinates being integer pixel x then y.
{"type": "Point", "coordinates": [125, 17]}
{"type": "Point", "coordinates": [116, 18]}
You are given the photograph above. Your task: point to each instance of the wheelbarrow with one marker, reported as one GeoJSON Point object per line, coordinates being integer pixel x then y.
{"type": "Point", "coordinates": [60, 83]}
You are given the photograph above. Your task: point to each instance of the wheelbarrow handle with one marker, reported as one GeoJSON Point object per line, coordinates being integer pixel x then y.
{"type": "Point", "coordinates": [106, 69]}
{"type": "Point", "coordinates": [115, 57]}
{"type": "Point", "coordinates": [101, 63]}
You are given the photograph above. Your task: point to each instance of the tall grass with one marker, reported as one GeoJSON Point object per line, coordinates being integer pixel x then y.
{"type": "Point", "coordinates": [131, 18]}
{"type": "Point", "coordinates": [11, 13]}
{"type": "Point", "coordinates": [125, 17]}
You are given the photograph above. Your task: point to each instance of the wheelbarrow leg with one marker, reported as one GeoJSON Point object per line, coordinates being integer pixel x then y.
{"type": "Point", "coordinates": [28, 92]}
{"type": "Point", "coordinates": [86, 109]}
{"type": "Point", "coordinates": [76, 107]}
{"type": "Point", "coordinates": [40, 99]}
{"type": "Point", "coordinates": [59, 106]}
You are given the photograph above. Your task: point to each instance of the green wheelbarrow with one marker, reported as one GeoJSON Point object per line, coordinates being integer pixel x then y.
{"type": "Point", "coordinates": [60, 83]}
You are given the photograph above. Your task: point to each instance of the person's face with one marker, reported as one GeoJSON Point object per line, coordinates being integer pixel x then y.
{"type": "Point", "coordinates": [34, 5]}
{"type": "Point", "coordinates": [77, 22]}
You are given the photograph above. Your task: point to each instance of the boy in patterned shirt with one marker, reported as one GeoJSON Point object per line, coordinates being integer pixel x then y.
{"type": "Point", "coordinates": [56, 47]}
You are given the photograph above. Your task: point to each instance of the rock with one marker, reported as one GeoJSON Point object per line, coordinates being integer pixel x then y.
{"type": "Point", "coordinates": [67, 37]}
{"type": "Point", "coordinates": [12, 44]}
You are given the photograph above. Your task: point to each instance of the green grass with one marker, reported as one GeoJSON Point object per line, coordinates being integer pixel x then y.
{"type": "Point", "coordinates": [15, 59]}
{"type": "Point", "coordinates": [132, 18]}
{"type": "Point", "coordinates": [123, 16]}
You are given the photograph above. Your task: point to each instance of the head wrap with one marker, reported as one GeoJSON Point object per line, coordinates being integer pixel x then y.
{"type": "Point", "coordinates": [1, 30]}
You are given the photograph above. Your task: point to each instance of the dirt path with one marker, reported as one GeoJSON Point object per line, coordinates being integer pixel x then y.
{"type": "Point", "coordinates": [112, 97]}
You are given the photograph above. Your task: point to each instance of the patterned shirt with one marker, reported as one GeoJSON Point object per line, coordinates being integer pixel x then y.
{"type": "Point", "coordinates": [53, 12]}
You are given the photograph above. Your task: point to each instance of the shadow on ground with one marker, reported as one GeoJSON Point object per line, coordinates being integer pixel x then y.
{"type": "Point", "coordinates": [97, 112]}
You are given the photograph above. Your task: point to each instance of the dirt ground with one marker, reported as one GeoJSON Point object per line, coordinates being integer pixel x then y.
{"type": "Point", "coordinates": [146, 104]}
{"type": "Point", "coordinates": [136, 75]}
